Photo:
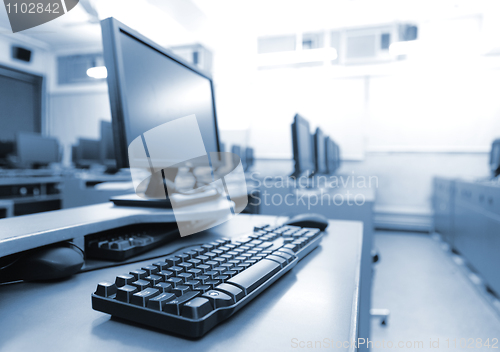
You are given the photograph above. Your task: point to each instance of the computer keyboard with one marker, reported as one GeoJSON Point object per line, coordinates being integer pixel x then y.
{"type": "Point", "coordinates": [123, 243]}
{"type": "Point", "coordinates": [191, 291]}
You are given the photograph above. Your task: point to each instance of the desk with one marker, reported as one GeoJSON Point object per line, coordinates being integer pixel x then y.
{"type": "Point", "coordinates": [317, 299]}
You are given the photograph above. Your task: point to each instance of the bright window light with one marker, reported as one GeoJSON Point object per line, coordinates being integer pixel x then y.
{"type": "Point", "coordinates": [97, 72]}
{"type": "Point", "coordinates": [297, 57]}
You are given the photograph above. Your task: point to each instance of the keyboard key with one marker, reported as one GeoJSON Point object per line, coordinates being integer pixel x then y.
{"type": "Point", "coordinates": [238, 269]}
{"type": "Point", "coordinates": [227, 265]}
{"type": "Point", "coordinates": [158, 302]}
{"type": "Point", "coordinates": [211, 273]}
{"type": "Point", "coordinates": [185, 276]}
{"type": "Point", "coordinates": [185, 265]}
{"type": "Point", "coordinates": [194, 261]}
{"type": "Point", "coordinates": [153, 279]}
{"type": "Point", "coordinates": [173, 307]}
{"type": "Point", "coordinates": [292, 247]}
{"type": "Point", "coordinates": [244, 265]}
{"type": "Point", "coordinates": [220, 260]}
{"type": "Point", "coordinates": [265, 245]}
{"type": "Point", "coordinates": [217, 251]}
{"type": "Point", "coordinates": [212, 282]}
{"type": "Point", "coordinates": [141, 298]}
{"type": "Point", "coordinates": [226, 256]}
{"type": "Point", "coordinates": [183, 257]}
{"type": "Point", "coordinates": [124, 293]}
{"type": "Point", "coordinates": [125, 279]}
{"type": "Point", "coordinates": [211, 255]}
{"type": "Point", "coordinates": [282, 261]}
{"type": "Point", "coordinates": [221, 278]}
{"type": "Point", "coordinates": [196, 308]}
{"type": "Point", "coordinates": [192, 254]}
{"type": "Point", "coordinates": [199, 250]}
{"type": "Point", "coordinates": [161, 266]}
{"type": "Point", "coordinates": [251, 278]}
{"type": "Point", "coordinates": [235, 292]}
{"type": "Point", "coordinates": [106, 289]}
{"type": "Point", "coordinates": [224, 249]}
{"type": "Point", "coordinates": [203, 258]}
{"type": "Point", "coordinates": [176, 270]}
{"type": "Point", "coordinates": [195, 272]}
{"type": "Point", "coordinates": [204, 267]}
{"type": "Point", "coordinates": [175, 281]}
{"type": "Point", "coordinates": [139, 274]}
{"type": "Point", "coordinates": [203, 278]}
{"type": "Point", "coordinates": [234, 261]}
{"type": "Point", "coordinates": [180, 290]}
{"type": "Point", "coordinates": [173, 260]}
{"type": "Point", "coordinates": [208, 246]}
{"type": "Point", "coordinates": [218, 299]}
{"type": "Point", "coordinates": [203, 288]}
{"type": "Point", "coordinates": [287, 256]}
{"type": "Point", "coordinates": [165, 274]}
{"type": "Point", "coordinates": [141, 284]}
{"type": "Point", "coordinates": [192, 284]}
{"type": "Point", "coordinates": [164, 286]}
{"type": "Point", "coordinates": [229, 273]}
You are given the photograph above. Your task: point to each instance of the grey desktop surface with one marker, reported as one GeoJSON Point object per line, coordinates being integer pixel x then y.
{"type": "Point", "coordinates": [316, 300]}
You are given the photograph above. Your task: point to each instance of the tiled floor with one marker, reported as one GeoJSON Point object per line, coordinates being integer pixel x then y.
{"type": "Point", "coordinates": [429, 298]}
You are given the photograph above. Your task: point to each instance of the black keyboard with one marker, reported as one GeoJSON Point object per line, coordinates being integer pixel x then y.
{"type": "Point", "coordinates": [190, 292]}
{"type": "Point", "coordinates": [123, 243]}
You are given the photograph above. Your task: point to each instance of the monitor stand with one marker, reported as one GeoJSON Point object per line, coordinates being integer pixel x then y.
{"type": "Point", "coordinates": [133, 200]}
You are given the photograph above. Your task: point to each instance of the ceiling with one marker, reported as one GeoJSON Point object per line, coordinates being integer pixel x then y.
{"type": "Point", "coordinates": [175, 22]}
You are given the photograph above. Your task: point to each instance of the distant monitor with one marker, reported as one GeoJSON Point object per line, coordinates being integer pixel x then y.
{"type": "Point", "coordinates": [88, 152]}
{"type": "Point", "coordinates": [149, 86]}
{"type": "Point", "coordinates": [236, 149]}
{"type": "Point", "coordinates": [303, 153]}
{"type": "Point", "coordinates": [250, 159]}
{"type": "Point", "coordinates": [34, 150]}
{"type": "Point", "coordinates": [331, 154]}
{"type": "Point", "coordinates": [495, 158]}
{"type": "Point", "coordinates": [319, 150]}
{"type": "Point", "coordinates": [107, 144]}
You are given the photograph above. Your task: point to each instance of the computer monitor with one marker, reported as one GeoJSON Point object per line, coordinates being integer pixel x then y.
{"type": "Point", "coordinates": [88, 152]}
{"type": "Point", "coordinates": [303, 153]}
{"type": "Point", "coordinates": [107, 145]}
{"type": "Point", "coordinates": [330, 155]}
{"type": "Point", "coordinates": [149, 86]}
{"type": "Point", "coordinates": [236, 149]}
{"type": "Point", "coordinates": [250, 159]}
{"type": "Point", "coordinates": [34, 150]}
{"type": "Point", "coordinates": [495, 158]}
{"type": "Point", "coordinates": [319, 151]}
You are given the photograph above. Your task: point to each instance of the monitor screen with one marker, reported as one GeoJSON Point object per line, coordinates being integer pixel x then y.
{"type": "Point", "coordinates": [495, 157]}
{"type": "Point", "coordinates": [89, 151]}
{"type": "Point", "coordinates": [330, 155]}
{"type": "Point", "coordinates": [150, 86]}
{"type": "Point", "coordinates": [319, 149]}
{"type": "Point", "coordinates": [35, 150]}
{"type": "Point", "coordinates": [107, 144]}
{"type": "Point", "coordinates": [303, 148]}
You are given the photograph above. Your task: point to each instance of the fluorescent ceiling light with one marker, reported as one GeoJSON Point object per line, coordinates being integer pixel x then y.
{"type": "Point", "coordinates": [297, 57]}
{"type": "Point", "coordinates": [97, 72]}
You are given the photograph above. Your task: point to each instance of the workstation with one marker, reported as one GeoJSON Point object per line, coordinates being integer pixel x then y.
{"type": "Point", "coordinates": [198, 175]}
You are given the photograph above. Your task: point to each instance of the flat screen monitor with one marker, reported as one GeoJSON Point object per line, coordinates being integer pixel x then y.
{"type": "Point", "coordinates": [319, 150]}
{"type": "Point", "coordinates": [495, 158]}
{"type": "Point", "coordinates": [250, 159]}
{"type": "Point", "coordinates": [149, 86]}
{"type": "Point", "coordinates": [107, 146]}
{"type": "Point", "coordinates": [89, 152]}
{"type": "Point", "coordinates": [303, 153]}
{"type": "Point", "coordinates": [236, 149]}
{"type": "Point", "coordinates": [34, 150]}
{"type": "Point", "coordinates": [331, 155]}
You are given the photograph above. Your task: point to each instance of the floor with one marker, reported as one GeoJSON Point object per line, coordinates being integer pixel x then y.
{"type": "Point", "coordinates": [429, 298]}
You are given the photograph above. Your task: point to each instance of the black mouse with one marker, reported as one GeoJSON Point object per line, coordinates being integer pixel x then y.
{"type": "Point", "coordinates": [308, 220]}
{"type": "Point", "coordinates": [48, 263]}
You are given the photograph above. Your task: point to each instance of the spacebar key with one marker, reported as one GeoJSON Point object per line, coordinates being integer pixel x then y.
{"type": "Point", "coordinates": [251, 278]}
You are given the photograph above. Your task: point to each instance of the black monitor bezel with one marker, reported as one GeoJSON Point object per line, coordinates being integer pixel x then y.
{"type": "Point", "coordinates": [299, 168]}
{"type": "Point", "coordinates": [111, 29]}
{"type": "Point", "coordinates": [319, 138]}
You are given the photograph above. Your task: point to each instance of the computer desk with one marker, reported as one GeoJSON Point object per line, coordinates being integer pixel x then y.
{"type": "Point", "coordinates": [316, 301]}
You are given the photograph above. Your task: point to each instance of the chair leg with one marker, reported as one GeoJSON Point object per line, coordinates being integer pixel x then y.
{"type": "Point", "coordinates": [382, 314]}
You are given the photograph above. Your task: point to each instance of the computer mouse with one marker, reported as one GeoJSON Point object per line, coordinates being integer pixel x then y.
{"type": "Point", "coordinates": [308, 220]}
{"type": "Point", "coordinates": [48, 263]}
